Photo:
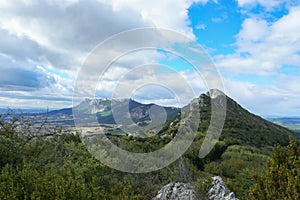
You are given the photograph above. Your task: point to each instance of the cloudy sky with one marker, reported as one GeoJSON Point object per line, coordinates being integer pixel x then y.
{"type": "Point", "coordinates": [254, 44]}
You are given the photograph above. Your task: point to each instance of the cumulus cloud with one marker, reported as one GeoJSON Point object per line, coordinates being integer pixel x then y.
{"type": "Point", "coordinates": [58, 35]}
{"type": "Point", "coordinates": [154, 86]}
{"type": "Point", "coordinates": [268, 4]}
{"type": "Point", "coordinates": [68, 30]}
{"type": "Point", "coordinates": [253, 30]}
{"type": "Point", "coordinates": [44, 43]}
{"type": "Point", "coordinates": [163, 14]}
{"type": "Point", "coordinates": [263, 48]}
{"type": "Point", "coordinates": [275, 99]}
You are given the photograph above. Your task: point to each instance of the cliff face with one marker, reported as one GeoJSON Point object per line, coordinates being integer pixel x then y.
{"type": "Point", "coordinates": [185, 191]}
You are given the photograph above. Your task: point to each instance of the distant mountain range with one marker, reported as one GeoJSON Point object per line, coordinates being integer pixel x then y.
{"type": "Point", "coordinates": [102, 109]}
{"type": "Point", "coordinates": [240, 125]}
{"type": "Point", "coordinates": [5, 110]}
{"type": "Point", "coordinates": [292, 123]}
{"type": "Point", "coordinates": [139, 113]}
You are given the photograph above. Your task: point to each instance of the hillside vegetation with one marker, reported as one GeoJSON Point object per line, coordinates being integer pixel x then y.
{"type": "Point", "coordinates": [52, 165]}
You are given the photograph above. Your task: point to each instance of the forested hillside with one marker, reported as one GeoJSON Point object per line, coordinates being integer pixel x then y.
{"type": "Point", "coordinates": [56, 165]}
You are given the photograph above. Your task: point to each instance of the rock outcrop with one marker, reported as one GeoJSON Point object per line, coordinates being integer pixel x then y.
{"type": "Point", "coordinates": [219, 191]}
{"type": "Point", "coordinates": [185, 191]}
{"type": "Point", "coordinates": [176, 191]}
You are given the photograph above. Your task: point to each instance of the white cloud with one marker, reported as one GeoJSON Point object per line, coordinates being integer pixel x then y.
{"type": "Point", "coordinates": [268, 4]}
{"type": "Point", "coordinates": [149, 85]}
{"type": "Point", "coordinates": [287, 29]}
{"type": "Point", "coordinates": [263, 48]}
{"type": "Point", "coordinates": [163, 14]}
{"type": "Point", "coordinates": [280, 98]}
{"type": "Point", "coordinates": [201, 26]}
{"type": "Point", "coordinates": [64, 30]}
{"type": "Point", "coordinates": [59, 34]}
{"type": "Point", "coordinates": [253, 30]}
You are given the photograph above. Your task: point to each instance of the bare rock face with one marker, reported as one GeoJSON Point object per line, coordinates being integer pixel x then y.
{"type": "Point", "coordinates": [176, 191]}
{"type": "Point", "coordinates": [185, 191]}
{"type": "Point", "coordinates": [219, 191]}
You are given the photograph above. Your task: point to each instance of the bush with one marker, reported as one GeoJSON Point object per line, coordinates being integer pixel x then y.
{"type": "Point", "coordinates": [282, 177]}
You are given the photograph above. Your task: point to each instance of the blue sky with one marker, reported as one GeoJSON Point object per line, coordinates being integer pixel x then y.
{"type": "Point", "coordinates": [216, 24]}
{"type": "Point", "coordinates": [254, 44]}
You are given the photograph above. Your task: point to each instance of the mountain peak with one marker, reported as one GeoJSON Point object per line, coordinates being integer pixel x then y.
{"type": "Point", "coordinates": [214, 93]}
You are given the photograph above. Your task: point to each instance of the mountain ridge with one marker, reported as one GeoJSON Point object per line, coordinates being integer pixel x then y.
{"type": "Point", "coordinates": [240, 124]}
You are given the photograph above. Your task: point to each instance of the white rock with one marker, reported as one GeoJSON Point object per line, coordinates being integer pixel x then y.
{"type": "Point", "coordinates": [176, 191]}
{"type": "Point", "coordinates": [219, 191]}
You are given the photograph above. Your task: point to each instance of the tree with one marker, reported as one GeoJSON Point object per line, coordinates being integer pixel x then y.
{"type": "Point", "coordinates": [281, 179]}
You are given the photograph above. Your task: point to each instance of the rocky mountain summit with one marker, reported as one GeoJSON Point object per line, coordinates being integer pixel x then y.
{"type": "Point", "coordinates": [185, 191]}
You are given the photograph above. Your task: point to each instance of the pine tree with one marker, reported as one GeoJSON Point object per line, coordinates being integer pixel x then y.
{"type": "Point", "coordinates": [281, 179]}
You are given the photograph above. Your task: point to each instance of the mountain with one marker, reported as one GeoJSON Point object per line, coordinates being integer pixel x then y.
{"type": "Point", "coordinates": [241, 125]}
{"type": "Point", "coordinates": [124, 109]}
{"type": "Point", "coordinates": [242, 151]}
{"type": "Point", "coordinates": [92, 113]}
{"type": "Point", "coordinates": [64, 111]}
{"type": "Point", "coordinates": [5, 110]}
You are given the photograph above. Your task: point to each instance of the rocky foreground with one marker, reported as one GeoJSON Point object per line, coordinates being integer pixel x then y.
{"type": "Point", "coordinates": [185, 191]}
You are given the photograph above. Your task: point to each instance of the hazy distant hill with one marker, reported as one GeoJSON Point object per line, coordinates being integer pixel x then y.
{"type": "Point", "coordinates": [25, 111]}
{"type": "Point", "coordinates": [139, 113]}
{"type": "Point", "coordinates": [292, 123]}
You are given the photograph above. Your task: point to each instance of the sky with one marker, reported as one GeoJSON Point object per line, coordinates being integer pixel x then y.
{"type": "Point", "coordinates": [253, 44]}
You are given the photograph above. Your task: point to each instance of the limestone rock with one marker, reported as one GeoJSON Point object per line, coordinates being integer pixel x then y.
{"type": "Point", "coordinates": [176, 191]}
{"type": "Point", "coordinates": [185, 191]}
{"type": "Point", "coordinates": [219, 191]}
